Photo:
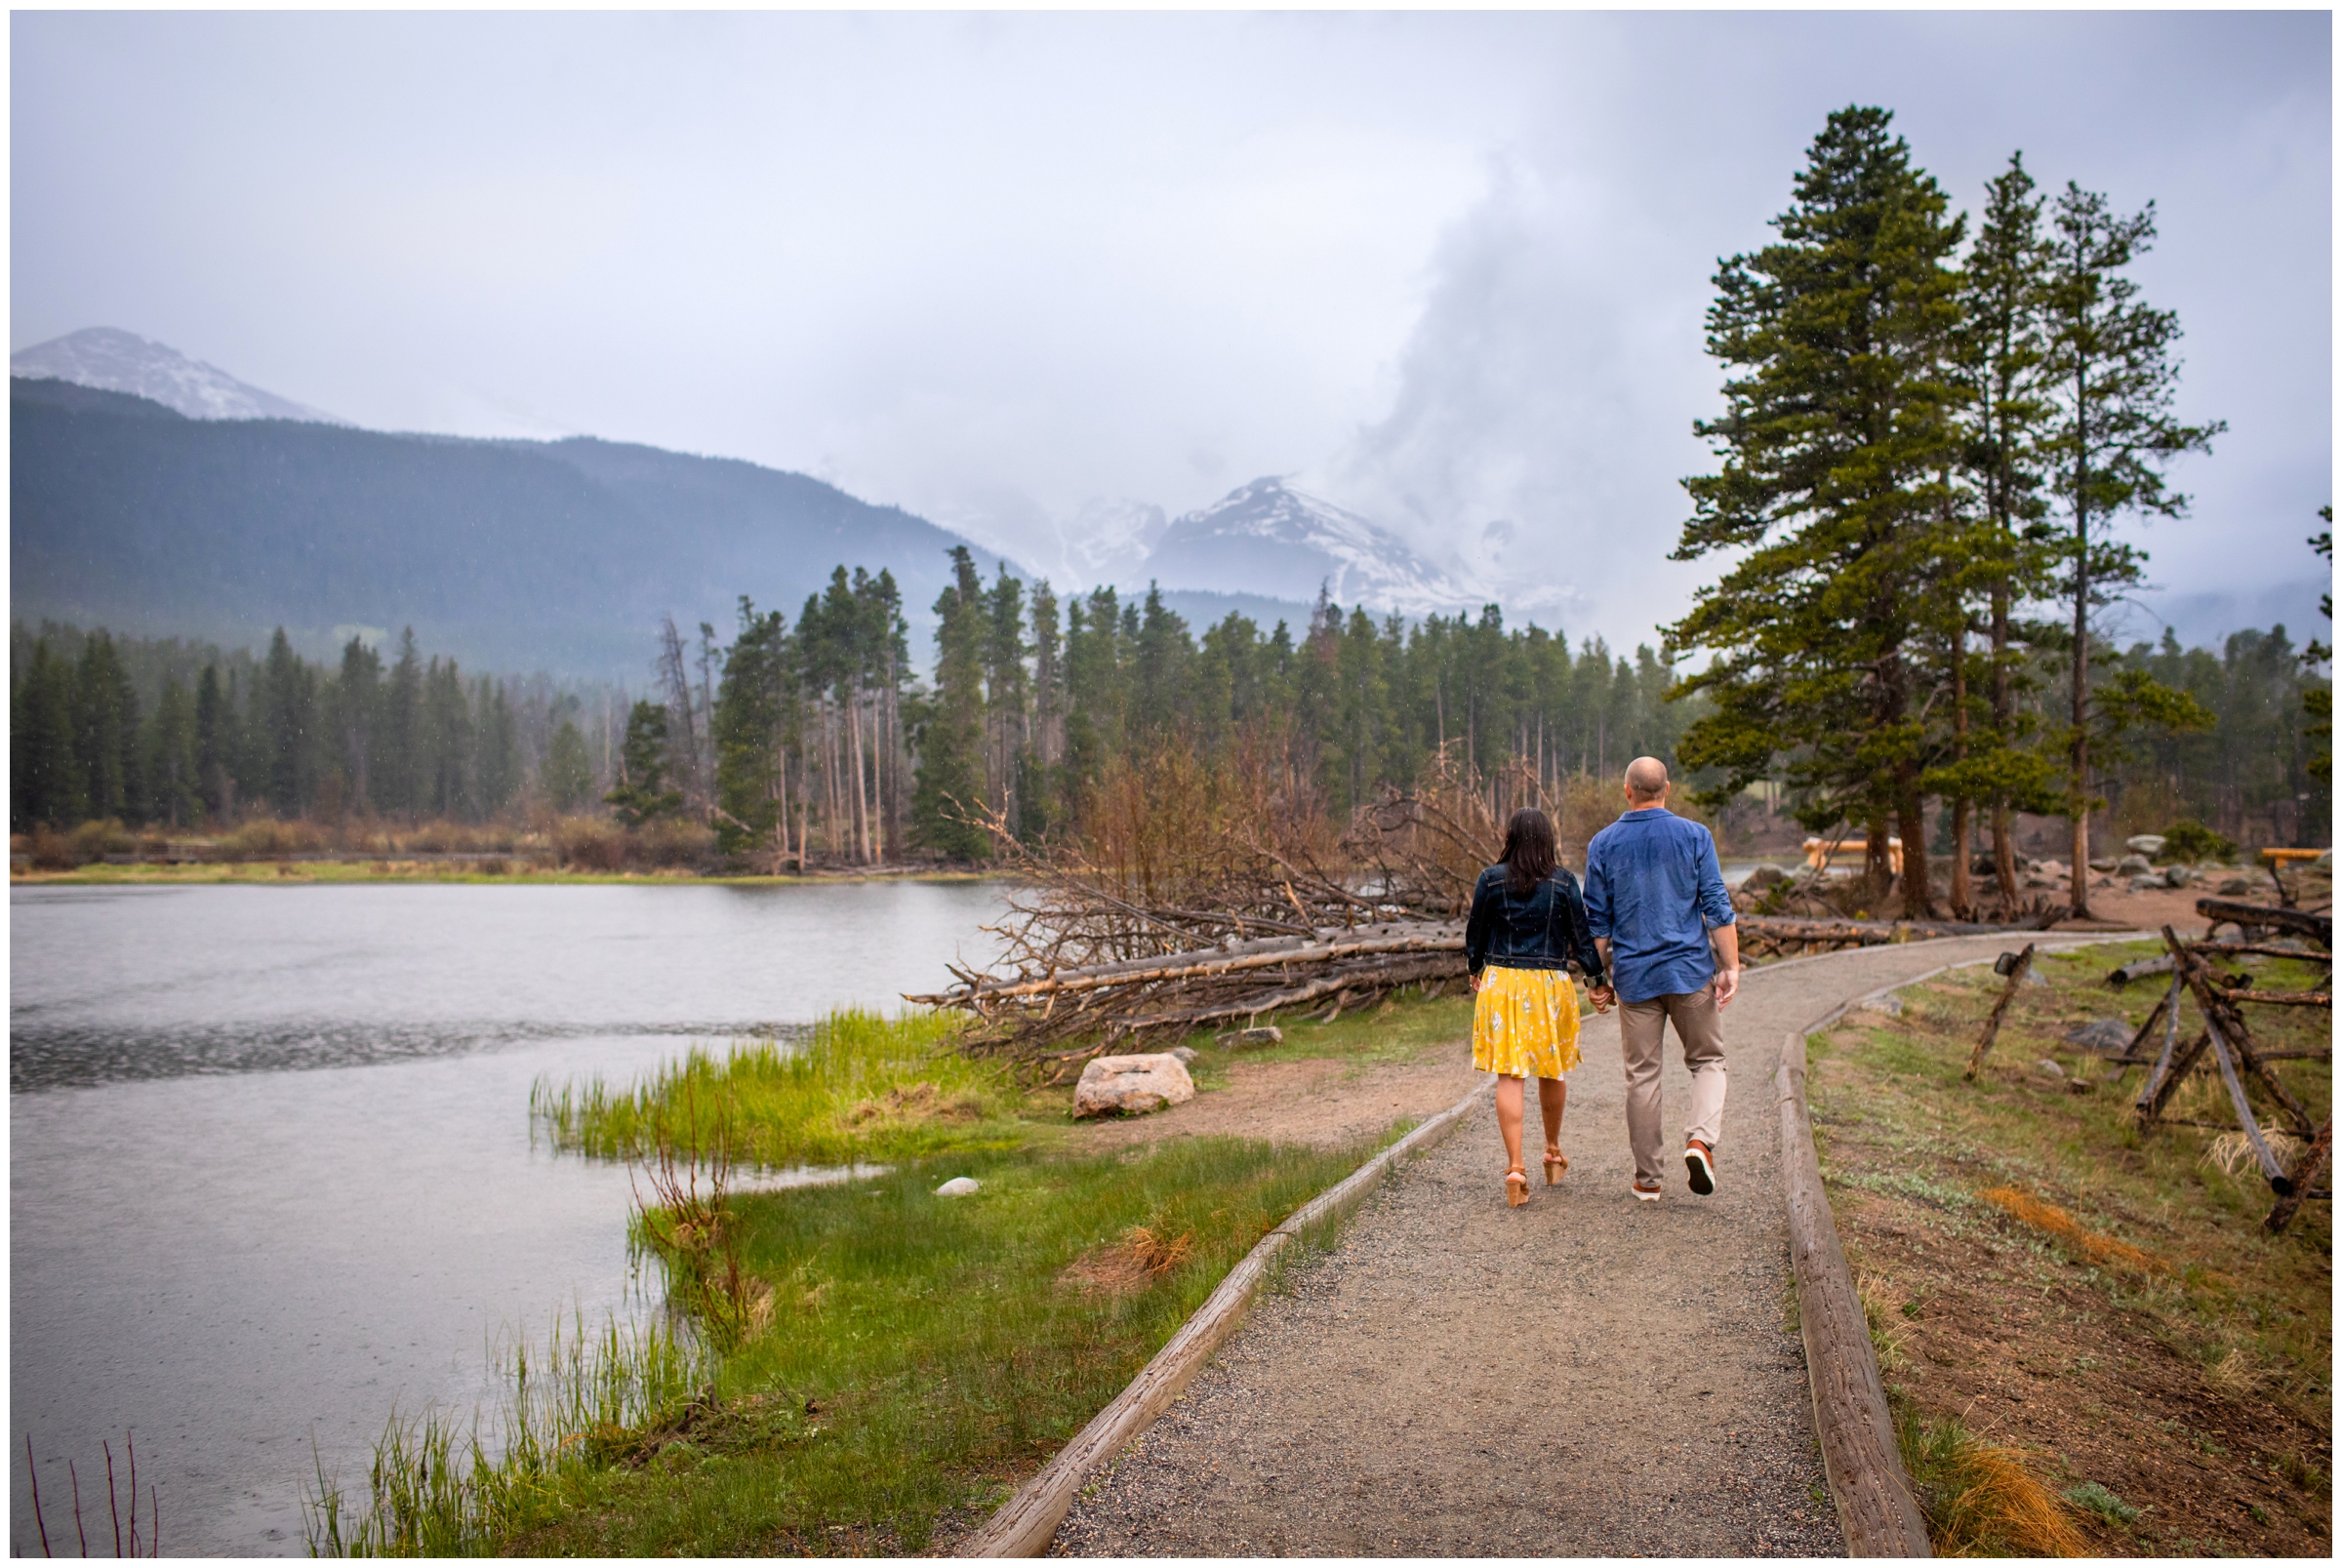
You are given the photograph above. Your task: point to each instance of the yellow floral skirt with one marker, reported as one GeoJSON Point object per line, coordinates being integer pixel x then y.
{"type": "Point", "coordinates": [1524, 1023]}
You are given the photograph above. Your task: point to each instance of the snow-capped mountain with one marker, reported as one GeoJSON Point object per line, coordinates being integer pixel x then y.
{"type": "Point", "coordinates": [1110, 540]}
{"type": "Point", "coordinates": [1267, 537]}
{"type": "Point", "coordinates": [116, 361]}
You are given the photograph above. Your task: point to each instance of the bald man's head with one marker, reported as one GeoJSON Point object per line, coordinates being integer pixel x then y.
{"type": "Point", "coordinates": [1646, 778]}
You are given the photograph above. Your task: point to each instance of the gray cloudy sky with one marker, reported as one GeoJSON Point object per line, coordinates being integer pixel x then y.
{"type": "Point", "coordinates": [1448, 270]}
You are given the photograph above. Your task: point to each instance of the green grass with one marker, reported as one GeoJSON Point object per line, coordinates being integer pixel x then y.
{"type": "Point", "coordinates": [1402, 1028]}
{"type": "Point", "coordinates": [918, 1358]}
{"type": "Point", "coordinates": [858, 1087]}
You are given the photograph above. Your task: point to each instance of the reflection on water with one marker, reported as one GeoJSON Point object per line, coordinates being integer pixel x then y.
{"type": "Point", "coordinates": [231, 1258]}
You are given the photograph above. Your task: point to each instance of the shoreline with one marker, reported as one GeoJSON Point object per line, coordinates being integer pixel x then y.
{"type": "Point", "coordinates": [299, 872]}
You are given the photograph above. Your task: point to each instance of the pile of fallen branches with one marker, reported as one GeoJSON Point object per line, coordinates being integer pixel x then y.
{"type": "Point", "coordinates": [1203, 893]}
{"type": "Point", "coordinates": [1336, 968]}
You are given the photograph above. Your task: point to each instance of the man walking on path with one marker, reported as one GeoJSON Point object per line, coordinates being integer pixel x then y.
{"type": "Point", "coordinates": [1653, 894]}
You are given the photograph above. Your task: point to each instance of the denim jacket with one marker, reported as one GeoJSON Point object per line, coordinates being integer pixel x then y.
{"type": "Point", "coordinates": [1545, 930]}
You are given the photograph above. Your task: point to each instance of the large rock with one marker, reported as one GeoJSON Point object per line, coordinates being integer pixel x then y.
{"type": "Point", "coordinates": [1132, 1083]}
{"type": "Point", "coordinates": [2133, 865]}
{"type": "Point", "coordinates": [1761, 877]}
{"type": "Point", "coordinates": [2147, 844]}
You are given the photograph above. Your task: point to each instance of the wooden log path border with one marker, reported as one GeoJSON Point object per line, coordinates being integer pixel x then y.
{"type": "Point", "coordinates": [1026, 1525]}
{"type": "Point", "coordinates": [1876, 1508]}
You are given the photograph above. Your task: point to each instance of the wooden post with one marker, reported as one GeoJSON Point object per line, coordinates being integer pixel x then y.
{"type": "Point", "coordinates": [2168, 1004]}
{"type": "Point", "coordinates": [2269, 1167]}
{"type": "Point", "coordinates": [2305, 1176]}
{"type": "Point", "coordinates": [2230, 1025]}
{"type": "Point", "coordinates": [2016, 973]}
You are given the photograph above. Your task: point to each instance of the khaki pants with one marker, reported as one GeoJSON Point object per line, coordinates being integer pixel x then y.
{"type": "Point", "coordinates": [1640, 1027]}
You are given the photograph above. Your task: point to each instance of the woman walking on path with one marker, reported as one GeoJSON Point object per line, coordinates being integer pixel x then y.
{"type": "Point", "coordinates": [1527, 923]}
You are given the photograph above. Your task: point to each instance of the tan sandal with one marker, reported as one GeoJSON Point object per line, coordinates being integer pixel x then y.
{"type": "Point", "coordinates": [1517, 1195]}
{"type": "Point", "coordinates": [1556, 1164]}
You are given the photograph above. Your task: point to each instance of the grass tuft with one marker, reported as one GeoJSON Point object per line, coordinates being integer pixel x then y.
{"type": "Point", "coordinates": [2096, 1499]}
{"type": "Point", "coordinates": [856, 1087]}
{"type": "Point", "coordinates": [1980, 1498]}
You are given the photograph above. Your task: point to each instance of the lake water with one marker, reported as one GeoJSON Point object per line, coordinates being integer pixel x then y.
{"type": "Point", "coordinates": [270, 1169]}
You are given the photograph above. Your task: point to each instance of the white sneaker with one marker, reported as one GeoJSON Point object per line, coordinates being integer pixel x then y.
{"type": "Point", "coordinates": [1648, 1194]}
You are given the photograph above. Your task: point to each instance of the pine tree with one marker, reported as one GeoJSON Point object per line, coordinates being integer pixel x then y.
{"type": "Point", "coordinates": [2000, 352]}
{"type": "Point", "coordinates": [642, 792]}
{"type": "Point", "coordinates": [752, 715]}
{"type": "Point", "coordinates": [284, 725]}
{"type": "Point", "coordinates": [107, 731]}
{"type": "Point", "coordinates": [398, 761]}
{"type": "Point", "coordinates": [950, 782]}
{"type": "Point", "coordinates": [2112, 381]}
{"type": "Point", "coordinates": [172, 771]}
{"type": "Point", "coordinates": [358, 707]}
{"type": "Point", "coordinates": [216, 745]}
{"type": "Point", "coordinates": [1836, 443]}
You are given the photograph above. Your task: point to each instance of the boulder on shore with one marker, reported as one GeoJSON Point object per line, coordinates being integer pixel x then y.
{"type": "Point", "coordinates": [1134, 1084]}
{"type": "Point", "coordinates": [2133, 865]}
{"type": "Point", "coordinates": [1267, 1034]}
{"type": "Point", "coordinates": [2147, 844]}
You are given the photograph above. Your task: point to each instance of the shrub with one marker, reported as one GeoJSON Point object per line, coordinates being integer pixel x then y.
{"type": "Point", "coordinates": [267, 838]}
{"type": "Point", "coordinates": [670, 841]}
{"type": "Point", "coordinates": [592, 844]}
{"type": "Point", "coordinates": [2189, 840]}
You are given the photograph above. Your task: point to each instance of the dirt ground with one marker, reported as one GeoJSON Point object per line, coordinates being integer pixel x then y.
{"type": "Point", "coordinates": [2195, 1387]}
{"type": "Point", "coordinates": [1325, 1104]}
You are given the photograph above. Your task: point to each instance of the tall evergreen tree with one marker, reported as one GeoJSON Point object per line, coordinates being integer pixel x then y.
{"type": "Point", "coordinates": [644, 768]}
{"type": "Point", "coordinates": [358, 707]}
{"type": "Point", "coordinates": [2006, 554]}
{"type": "Point", "coordinates": [172, 773]}
{"type": "Point", "coordinates": [1836, 444]}
{"type": "Point", "coordinates": [216, 745]}
{"type": "Point", "coordinates": [753, 713]}
{"type": "Point", "coordinates": [398, 765]}
{"type": "Point", "coordinates": [107, 731]}
{"type": "Point", "coordinates": [951, 778]}
{"type": "Point", "coordinates": [2112, 379]}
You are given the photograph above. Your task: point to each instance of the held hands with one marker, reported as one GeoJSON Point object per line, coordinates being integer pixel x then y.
{"type": "Point", "coordinates": [1604, 998]}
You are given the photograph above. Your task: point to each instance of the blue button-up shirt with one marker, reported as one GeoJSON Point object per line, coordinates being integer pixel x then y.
{"type": "Point", "coordinates": [1654, 888]}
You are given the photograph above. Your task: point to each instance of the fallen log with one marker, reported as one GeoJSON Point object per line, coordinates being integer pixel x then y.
{"type": "Point", "coordinates": [2283, 998]}
{"type": "Point", "coordinates": [2319, 928]}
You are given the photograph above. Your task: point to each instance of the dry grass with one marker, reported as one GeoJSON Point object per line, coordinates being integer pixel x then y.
{"type": "Point", "coordinates": [1140, 1259]}
{"type": "Point", "coordinates": [1982, 1499]}
{"type": "Point", "coordinates": [2051, 1219]}
{"type": "Point", "coordinates": [2232, 1154]}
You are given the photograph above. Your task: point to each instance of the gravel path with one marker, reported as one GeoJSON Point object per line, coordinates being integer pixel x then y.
{"type": "Point", "coordinates": [1587, 1376]}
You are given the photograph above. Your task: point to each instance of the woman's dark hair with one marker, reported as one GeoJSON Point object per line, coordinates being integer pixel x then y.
{"type": "Point", "coordinates": [1530, 850]}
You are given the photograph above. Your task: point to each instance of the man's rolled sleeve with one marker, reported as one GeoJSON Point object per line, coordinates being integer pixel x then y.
{"type": "Point", "coordinates": [1598, 892]}
{"type": "Point", "coordinates": [1716, 901]}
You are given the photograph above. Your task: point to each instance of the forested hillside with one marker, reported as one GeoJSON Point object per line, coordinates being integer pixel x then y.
{"type": "Point", "coordinates": [517, 554]}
